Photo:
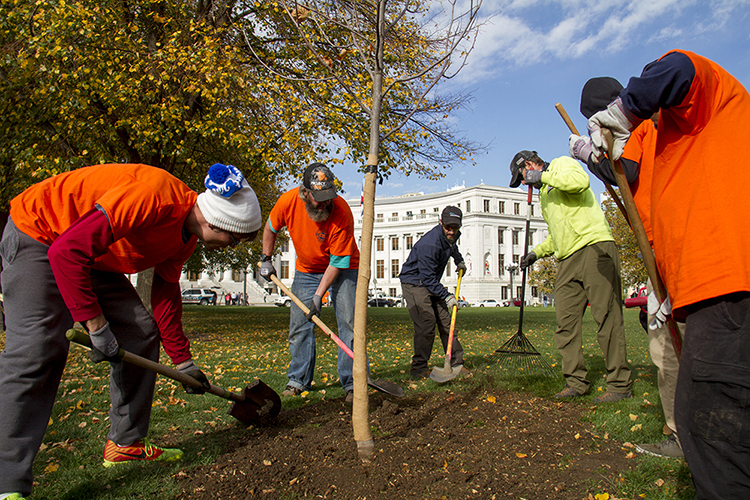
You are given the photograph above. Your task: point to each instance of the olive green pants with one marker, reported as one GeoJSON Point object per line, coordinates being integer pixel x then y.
{"type": "Point", "coordinates": [591, 276]}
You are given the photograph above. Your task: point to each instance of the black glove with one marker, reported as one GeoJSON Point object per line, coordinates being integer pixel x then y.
{"type": "Point", "coordinates": [533, 178]}
{"type": "Point", "coordinates": [315, 305]}
{"type": "Point", "coordinates": [528, 260]}
{"type": "Point", "coordinates": [461, 266]}
{"type": "Point", "coordinates": [267, 270]}
{"type": "Point", "coordinates": [104, 346]}
{"type": "Point", "coordinates": [195, 372]}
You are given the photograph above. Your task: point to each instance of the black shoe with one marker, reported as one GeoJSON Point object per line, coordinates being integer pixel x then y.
{"type": "Point", "coordinates": [420, 375]}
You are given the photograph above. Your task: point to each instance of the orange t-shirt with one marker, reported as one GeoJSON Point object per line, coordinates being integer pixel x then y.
{"type": "Point", "coordinates": [641, 148]}
{"type": "Point", "coordinates": [146, 208]}
{"type": "Point", "coordinates": [318, 244]}
{"type": "Point", "coordinates": [698, 205]}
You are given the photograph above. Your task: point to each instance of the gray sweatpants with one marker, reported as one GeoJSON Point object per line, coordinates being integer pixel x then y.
{"type": "Point", "coordinates": [36, 350]}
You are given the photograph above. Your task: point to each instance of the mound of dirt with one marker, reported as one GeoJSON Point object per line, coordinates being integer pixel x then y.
{"type": "Point", "coordinates": [448, 445]}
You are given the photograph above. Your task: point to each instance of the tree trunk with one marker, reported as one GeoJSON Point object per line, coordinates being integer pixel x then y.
{"type": "Point", "coordinates": [143, 287]}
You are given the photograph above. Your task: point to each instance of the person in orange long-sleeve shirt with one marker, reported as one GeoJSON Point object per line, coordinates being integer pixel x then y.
{"type": "Point", "coordinates": [65, 251]}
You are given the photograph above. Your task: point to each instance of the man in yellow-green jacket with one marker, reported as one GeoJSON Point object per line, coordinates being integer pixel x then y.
{"type": "Point", "coordinates": [588, 270]}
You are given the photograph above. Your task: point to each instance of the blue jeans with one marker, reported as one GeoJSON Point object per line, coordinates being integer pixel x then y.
{"type": "Point", "coordinates": [302, 334]}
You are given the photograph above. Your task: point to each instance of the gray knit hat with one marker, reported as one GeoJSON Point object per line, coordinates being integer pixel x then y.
{"type": "Point", "coordinates": [229, 202]}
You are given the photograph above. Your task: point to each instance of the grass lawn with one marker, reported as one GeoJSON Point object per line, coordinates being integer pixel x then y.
{"type": "Point", "coordinates": [238, 344]}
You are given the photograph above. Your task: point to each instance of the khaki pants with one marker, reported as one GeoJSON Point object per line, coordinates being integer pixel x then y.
{"type": "Point", "coordinates": [591, 275]}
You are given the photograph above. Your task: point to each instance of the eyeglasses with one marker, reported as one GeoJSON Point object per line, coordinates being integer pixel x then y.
{"type": "Point", "coordinates": [234, 240]}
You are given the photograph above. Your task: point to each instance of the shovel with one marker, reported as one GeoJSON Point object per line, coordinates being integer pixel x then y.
{"type": "Point", "coordinates": [255, 404]}
{"type": "Point", "coordinates": [448, 372]}
{"type": "Point", "coordinates": [380, 385]}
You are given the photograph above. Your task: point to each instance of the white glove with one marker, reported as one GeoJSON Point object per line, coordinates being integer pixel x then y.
{"type": "Point", "coordinates": [579, 147]}
{"type": "Point", "coordinates": [616, 119]}
{"type": "Point", "coordinates": [658, 311]}
{"type": "Point", "coordinates": [451, 302]}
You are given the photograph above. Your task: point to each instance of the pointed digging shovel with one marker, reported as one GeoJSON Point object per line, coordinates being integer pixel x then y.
{"type": "Point", "coordinates": [381, 385]}
{"type": "Point", "coordinates": [448, 372]}
{"type": "Point", "coordinates": [256, 404]}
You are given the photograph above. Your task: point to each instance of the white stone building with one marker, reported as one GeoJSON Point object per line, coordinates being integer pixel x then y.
{"type": "Point", "coordinates": [494, 223]}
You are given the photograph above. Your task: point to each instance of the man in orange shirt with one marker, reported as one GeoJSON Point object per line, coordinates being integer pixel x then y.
{"type": "Point", "coordinates": [321, 226]}
{"type": "Point", "coordinates": [65, 251]}
{"type": "Point", "coordinates": [701, 249]}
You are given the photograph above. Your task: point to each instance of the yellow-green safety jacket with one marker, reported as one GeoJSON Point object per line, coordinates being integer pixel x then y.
{"type": "Point", "coordinates": [574, 217]}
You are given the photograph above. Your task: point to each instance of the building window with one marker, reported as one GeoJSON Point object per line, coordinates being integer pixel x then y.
{"type": "Point", "coordinates": [394, 242]}
{"type": "Point", "coordinates": [501, 264]}
{"type": "Point", "coordinates": [436, 209]}
{"type": "Point", "coordinates": [380, 269]}
{"type": "Point", "coordinates": [501, 207]}
{"type": "Point", "coordinates": [395, 268]}
{"type": "Point", "coordinates": [515, 237]}
{"type": "Point", "coordinates": [500, 236]}
{"type": "Point", "coordinates": [392, 292]}
{"type": "Point", "coordinates": [379, 245]}
{"type": "Point", "coordinates": [379, 218]}
{"type": "Point", "coordinates": [534, 292]}
{"type": "Point", "coordinates": [486, 205]}
{"type": "Point", "coordinates": [504, 293]}
{"type": "Point", "coordinates": [409, 215]}
{"type": "Point", "coordinates": [518, 291]}
{"type": "Point", "coordinates": [532, 209]}
{"type": "Point", "coordinates": [516, 258]}
{"type": "Point", "coordinates": [517, 208]}
{"type": "Point", "coordinates": [285, 269]}
{"type": "Point", "coordinates": [531, 238]}
{"type": "Point", "coordinates": [409, 242]}
{"type": "Point", "coordinates": [285, 246]}
{"type": "Point", "coordinates": [468, 206]}
{"type": "Point", "coordinates": [193, 275]}
{"type": "Point", "coordinates": [448, 269]}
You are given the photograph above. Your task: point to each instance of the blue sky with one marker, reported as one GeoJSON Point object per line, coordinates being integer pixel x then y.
{"type": "Point", "coordinates": [531, 54]}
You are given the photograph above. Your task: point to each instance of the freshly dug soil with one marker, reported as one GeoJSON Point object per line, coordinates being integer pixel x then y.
{"type": "Point", "coordinates": [444, 445]}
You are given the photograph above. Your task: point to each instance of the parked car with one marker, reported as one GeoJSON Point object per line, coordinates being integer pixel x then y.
{"type": "Point", "coordinates": [488, 303]}
{"type": "Point", "coordinates": [463, 303]}
{"type": "Point", "coordinates": [516, 302]}
{"type": "Point", "coordinates": [202, 296]}
{"type": "Point", "coordinates": [283, 301]}
{"type": "Point", "coordinates": [381, 302]}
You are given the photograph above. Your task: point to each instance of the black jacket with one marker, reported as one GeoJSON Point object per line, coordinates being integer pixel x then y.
{"type": "Point", "coordinates": [426, 262]}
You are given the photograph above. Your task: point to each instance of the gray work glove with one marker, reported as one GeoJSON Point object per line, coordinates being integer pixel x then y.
{"type": "Point", "coordinates": [533, 178]}
{"type": "Point", "coordinates": [528, 260]}
{"type": "Point", "coordinates": [451, 302]}
{"type": "Point", "coordinates": [660, 312]}
{"type": "Point", "coordinates": [104, 346]}
{"type": "Point", "coordinates": [619, 121]}
{"type": "Point", "coordinates": [461, 266]}
{"type": "Point", "coordinates": [315, 305]}
{"type": "Point", "coordinates": [267, 270]}
{"type": "Point", "coordinates": [192, 370]}
{"type": "Point", "coordinates": [579, 147]}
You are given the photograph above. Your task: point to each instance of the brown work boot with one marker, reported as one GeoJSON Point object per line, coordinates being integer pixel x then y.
{"type": "Point", "coordinates": [568, 393]}
{"type": "Point", "coordinates": [291, 391]}
{"type": "Point", "coordinates": [350, 396]}
{"type": "Point", "coordinates": [612, 397]}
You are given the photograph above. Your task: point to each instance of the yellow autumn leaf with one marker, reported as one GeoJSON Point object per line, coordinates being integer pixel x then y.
{"type": "Point", "coordinates": [51, 468]}
{"type": "Point", "coordinates": [491, 399]}
{"type": "Point", "coordinates": [636, 427]}
{"type": "Point", "coordinates": [521, 455]}
{"type": "Point", "coordinates": [602, 496]}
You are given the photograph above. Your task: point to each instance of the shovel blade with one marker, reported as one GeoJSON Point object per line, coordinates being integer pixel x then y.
{"type": "Point", "coordinates": [386, 387]}
{"type": "Point", "coordinates": [444, 374]}
{"type": "Point", "coordinates": [260, 404]}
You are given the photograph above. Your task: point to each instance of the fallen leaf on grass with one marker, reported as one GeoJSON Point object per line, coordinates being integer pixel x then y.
{"type": "Point", "coordinates": [659, 483]}
{"type": "Point", "coordinates": [51, 468]}
{"type": "Point", "coordinates": [521, 455]}
{"type": "Point", "coordinates": [491, 399]}
{"type": "Point", "coordinates": [630, 455]}
{"type": "Point", "coordinates": [633, 417]}
{"type": "Point", "coordinates": [636, 427]}
{"type": "Point", "coordinates": [266, 462]}
{"type": "Point", "coordinates": [602, 496]}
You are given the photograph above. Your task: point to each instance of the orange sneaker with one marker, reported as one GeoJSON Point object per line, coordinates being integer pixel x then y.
{"type": "Point", "coordinates": [140, 450]}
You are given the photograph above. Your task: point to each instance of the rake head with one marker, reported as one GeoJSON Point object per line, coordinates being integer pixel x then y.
{"type": "Point", "coordinates": [521, 355]}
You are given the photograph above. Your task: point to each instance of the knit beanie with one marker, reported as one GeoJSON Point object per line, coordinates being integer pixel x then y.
{"type": "Point", "coordinates": [229, 202]}
{"type": "Point", "coordinates": [597, 93]}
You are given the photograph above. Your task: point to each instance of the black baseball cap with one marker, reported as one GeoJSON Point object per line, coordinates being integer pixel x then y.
{"type": "Point", "coordinates": [320, 181]}
{"type": "Point", "coordinates": [597, 93]}
{"type": "Point", "coordinates": [451, 216]}
{"type": "Point", "coordinates": [517, 164]}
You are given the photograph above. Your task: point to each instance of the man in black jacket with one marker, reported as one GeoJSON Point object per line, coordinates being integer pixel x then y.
{"type": "Point", "coordinates": [428, 301]}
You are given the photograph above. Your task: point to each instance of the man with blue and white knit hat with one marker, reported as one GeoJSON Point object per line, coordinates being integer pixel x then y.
{"type": "Point", "coordinates": [72, 239]}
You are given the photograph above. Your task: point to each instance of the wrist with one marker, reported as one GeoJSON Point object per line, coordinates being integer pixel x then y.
{"type": "Point", "coordinates": [264, 257]}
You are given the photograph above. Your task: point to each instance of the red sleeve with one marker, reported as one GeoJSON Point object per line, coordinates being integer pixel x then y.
{"type": "Point", "coordinates": [166, 301]}
{"type": "Point", "coordinates": [71, 256]}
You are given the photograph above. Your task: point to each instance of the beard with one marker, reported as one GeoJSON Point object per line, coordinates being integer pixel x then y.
{"type": "Point", "coordinates": [318, 214]}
